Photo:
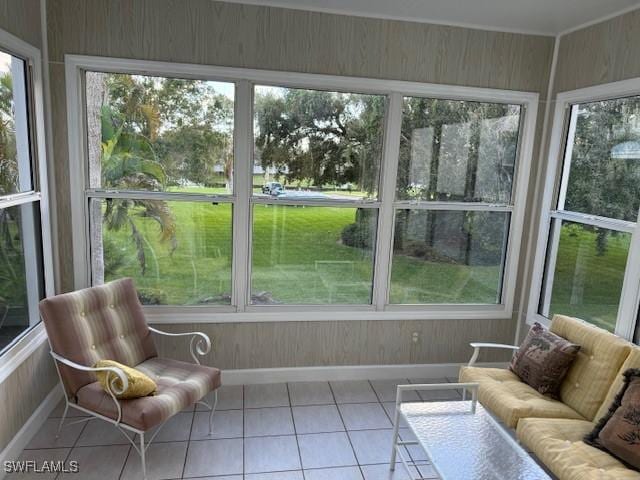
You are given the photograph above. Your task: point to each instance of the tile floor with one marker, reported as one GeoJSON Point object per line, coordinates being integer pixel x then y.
{"type": "Point", "coordinates": [294, 431]}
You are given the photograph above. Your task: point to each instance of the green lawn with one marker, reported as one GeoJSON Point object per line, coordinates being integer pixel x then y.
{"type": "Point", "coordinates": [587, 283]}
{"type": "Point", "coordinates": [298, 257]}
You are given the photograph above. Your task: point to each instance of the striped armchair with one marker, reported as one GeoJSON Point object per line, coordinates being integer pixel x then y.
{"type": "Point", "coordinates": [107, 322]}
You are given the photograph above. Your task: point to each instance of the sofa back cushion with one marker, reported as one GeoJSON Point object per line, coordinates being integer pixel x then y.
{"type": "Point", "coordinates": [598, 362]}
{"type": "Point", "coordinates": [99, 323]}
{"type": "Point", "coordinates": [632, 361]}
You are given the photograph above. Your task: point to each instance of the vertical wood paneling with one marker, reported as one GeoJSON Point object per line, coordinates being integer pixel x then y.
{"type": "Point", "coordinates": [22, 19]}
{"type": "Point", "coordinates": [219, 33]}
{"type": "Point", "coordinates": [603, 53]}
{"type": "Point", "coordinates": [286, 344]}
{"type": "Point", "coordinates": [23, 391]}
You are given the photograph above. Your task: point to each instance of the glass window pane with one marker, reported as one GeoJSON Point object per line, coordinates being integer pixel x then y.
{"type": "Point", "coordinates": [178, 253]}
{"type": "Point", "coordinates": [587, 274]}
{"type": "Point", "coordinates": [604, 175]}
{"type": "Point", "coordinates": [312, 255]}
{"type": "Point", "coordinates": [453, 150]}
{"type": "Point", "coordinates": [317, 144]}
{"type": "Point", "coordinates": [15, 155]}
{"type": "Point", "coordinates": [21, 284]}
{"type": "Point", "coordinates": [454, 257]}
{"type": "Point", "coordinates": [159, 133]}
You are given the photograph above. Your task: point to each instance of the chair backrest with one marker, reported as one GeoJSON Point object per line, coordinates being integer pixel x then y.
{"type": "Point", "coordinates": [103, 322]}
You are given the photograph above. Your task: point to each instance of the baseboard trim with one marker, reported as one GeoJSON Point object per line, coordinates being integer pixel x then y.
{"type": "Point", "coordinates": [344, 372]}
{"type": "Point", "coordinates": [13, 450]}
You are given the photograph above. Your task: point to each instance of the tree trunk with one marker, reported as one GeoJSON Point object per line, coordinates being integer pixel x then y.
{"type": "Point", "coordinates": [96, 97]}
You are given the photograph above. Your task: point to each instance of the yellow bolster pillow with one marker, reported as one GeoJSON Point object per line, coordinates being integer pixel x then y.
{"type": "Point", "coordinates": [140, 385]}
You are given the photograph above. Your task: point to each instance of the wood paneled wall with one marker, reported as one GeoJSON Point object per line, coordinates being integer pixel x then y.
{"type": "Point", "coordinates": [227, 34]}
{"type": "Point", "coordinates": [22, 19]}
{"type": "Point", "coordinates": [304, 344]}
{"type": "Point", "coordinates": [602, 53]}
{"type": "Point", "coordinates": [24, 390]}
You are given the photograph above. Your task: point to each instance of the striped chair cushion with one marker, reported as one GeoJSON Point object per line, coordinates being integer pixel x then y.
{"type": "Point", "coordinates": [180, 384]}
{"type": "Point", "coordinates": [99, 323]}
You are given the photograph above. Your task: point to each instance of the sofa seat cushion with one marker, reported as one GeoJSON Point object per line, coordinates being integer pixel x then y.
{"type": "Point", "coordinates": [558, 444]}
{"type": "Point", "coordinates": [596, 366]}
{"type": "Point", "coordinates": [506, 396]}
{"type": "Point", "coordinates": [180, 385]}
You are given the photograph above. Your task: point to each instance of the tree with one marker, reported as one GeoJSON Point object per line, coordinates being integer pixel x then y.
{"type": "Point", "coordinates": [8, 154]}
{"type": "Point", "coordinates": [599, 183]}
{"type": "Point", "coordinates": [187, 123]}
{"type": "Point", "coordinates": [321, 138]}
{"type": "Point", "coordinates": [128, 163]}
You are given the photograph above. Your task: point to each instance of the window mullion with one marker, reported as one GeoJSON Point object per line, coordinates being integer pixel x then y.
{"type": "Point", "coordinates": [453, 206]}
{"type": "Point", "coordinates": [568, 154]}
{"type": "Point", "coordinates": [242, 184]}
{"type": "Point", "coordinates": [389, 171]}
{"type": "Point", "coordinates": [630, 295]}
{"type": "Point", "coordinates": [595, 221]}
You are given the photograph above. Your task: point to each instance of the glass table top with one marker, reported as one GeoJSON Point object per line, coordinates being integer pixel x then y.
{"type": "Point", "coordinates": [466, 445]}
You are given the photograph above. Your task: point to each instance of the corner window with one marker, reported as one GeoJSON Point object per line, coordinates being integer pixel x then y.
{"type": "Point", "coordinates": [21, 255]}
{"type": "Point", "coordinates": [596, 211]}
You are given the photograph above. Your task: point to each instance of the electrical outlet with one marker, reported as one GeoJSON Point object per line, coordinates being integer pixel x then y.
{"type": "Point", "coordinates": [415, 337]}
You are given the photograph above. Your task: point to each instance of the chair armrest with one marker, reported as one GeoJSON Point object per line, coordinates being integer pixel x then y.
{"type": "Point", "coordinates": [478, 345]}
{"type": "Point", "coordinates": [200, 343]}
{"type": "Point", "coordinates": [112, 388]}
{"type": "Point", "coordinates": [119, 374]}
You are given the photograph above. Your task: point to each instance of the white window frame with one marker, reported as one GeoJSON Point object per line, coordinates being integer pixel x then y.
{"type": "Point", "coordinates": [33, 336]}
{"type": "Point", "coordinates": [240, 310]}
{"type": "Point", "coordinates": [555, 185]}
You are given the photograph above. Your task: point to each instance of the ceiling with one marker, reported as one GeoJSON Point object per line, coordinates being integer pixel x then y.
{"type": "Point", "coordinates": [549, 17]}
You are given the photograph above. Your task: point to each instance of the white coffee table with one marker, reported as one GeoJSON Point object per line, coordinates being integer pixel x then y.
{"type": "Point", "coordinates": [461, 440]}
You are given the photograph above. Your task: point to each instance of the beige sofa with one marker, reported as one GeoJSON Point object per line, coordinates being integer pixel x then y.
{"type": "Point", "coordinates": [551, 429]}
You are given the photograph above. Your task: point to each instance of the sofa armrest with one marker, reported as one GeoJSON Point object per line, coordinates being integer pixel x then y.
{"type": "Point", "coordinates": [200, 343]}
{"type": "Point", "coordinates": [478, 345]}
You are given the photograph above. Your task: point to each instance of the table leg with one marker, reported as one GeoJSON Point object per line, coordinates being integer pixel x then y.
{"type": "Point", "coordinates": [396, 427]}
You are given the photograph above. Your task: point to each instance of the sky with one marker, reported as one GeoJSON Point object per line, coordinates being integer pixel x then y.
{"type": "Point", "coordinates": [5, 62]}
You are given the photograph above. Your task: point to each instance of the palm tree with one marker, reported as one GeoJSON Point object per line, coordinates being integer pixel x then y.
{"type": "Point", "coordinates": [129, 163]}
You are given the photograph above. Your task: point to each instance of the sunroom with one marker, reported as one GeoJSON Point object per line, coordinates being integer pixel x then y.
{"type": "Point", "coordinates": [306, 240]}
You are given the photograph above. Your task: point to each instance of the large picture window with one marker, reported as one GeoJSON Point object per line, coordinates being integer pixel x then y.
{"type": "Point", "coordinates": [593, 218]}
{"type": "Point", "coordinates": [22, 261]}
{"type": "Point", "coordinates": [261, 192]}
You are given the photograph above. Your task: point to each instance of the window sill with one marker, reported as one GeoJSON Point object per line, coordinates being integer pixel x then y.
{"type": "Point", "coordinates": [22, 349]}
{"type": "Point", "coordinates": [160, 315]}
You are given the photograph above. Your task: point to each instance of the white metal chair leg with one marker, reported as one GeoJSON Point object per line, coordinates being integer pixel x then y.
{"type": "Point", "coordinates": [213, 411]}
{"type": "Point", "coordinates": [64, 416]}
{"type": "Point", "coordinates": [142, 457]}
{"type": "Point", "coordinates": [464, 394]}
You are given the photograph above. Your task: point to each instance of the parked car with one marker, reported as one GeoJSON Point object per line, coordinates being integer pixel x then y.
{"type": "Point", "coordinates": [272, 188]}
